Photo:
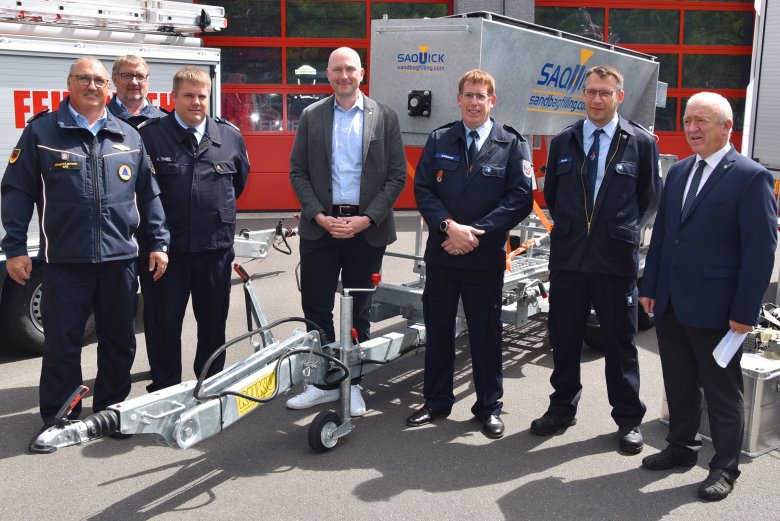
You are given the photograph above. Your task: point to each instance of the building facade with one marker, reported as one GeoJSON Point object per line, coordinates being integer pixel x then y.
{"type": "Point", "coordinates": [274, 55]}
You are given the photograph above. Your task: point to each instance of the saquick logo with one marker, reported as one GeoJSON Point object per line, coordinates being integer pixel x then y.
{"type": "Point", "coordinates": [422, 58]}
{"type": "Point", "coordinates": [569, 78]}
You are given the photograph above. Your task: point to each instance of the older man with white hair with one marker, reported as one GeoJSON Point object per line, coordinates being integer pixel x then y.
{"type": "Point", "coordinates": [710, 260]}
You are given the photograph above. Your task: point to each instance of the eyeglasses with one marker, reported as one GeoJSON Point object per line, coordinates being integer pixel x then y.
{"type": "Point", "coordinates": [481, 96]}
{"type": "Point", "coordinates": [591, 93]}
{"type": "Point", "coordinates": [85, 80]}
{"type": "Point", "coordinates": [129, 76]}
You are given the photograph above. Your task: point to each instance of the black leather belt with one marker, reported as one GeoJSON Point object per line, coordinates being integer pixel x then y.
{"type": "Point", "coordinates": [346, 210]}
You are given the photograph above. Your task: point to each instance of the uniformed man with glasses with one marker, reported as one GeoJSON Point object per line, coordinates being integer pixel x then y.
{"type": "Point", "coordinates": [473, 184]}
{"type": "Point", "coordinates": [601, 186]}
{"type": "Point", "coordinates": [130, 75]}
{"type": "Point", "coordinates": [89, 175]}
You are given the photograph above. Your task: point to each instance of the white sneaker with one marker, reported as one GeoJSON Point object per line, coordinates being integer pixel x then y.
{"type": "Point", "coordinates": [357, 406]}
{"type": "Point", "coordinates": [312, 396]}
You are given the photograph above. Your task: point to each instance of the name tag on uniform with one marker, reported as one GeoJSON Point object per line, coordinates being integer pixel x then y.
{"type": "Point", "coordinates": [449, 157]}
{"type": "Point", "coordinates": [66, 165]}
{"type": "Point", "coordinates": [564, 160]}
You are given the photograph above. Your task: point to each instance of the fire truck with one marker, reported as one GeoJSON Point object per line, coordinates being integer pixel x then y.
{"type": "Point", "coordinates": [39, 39]}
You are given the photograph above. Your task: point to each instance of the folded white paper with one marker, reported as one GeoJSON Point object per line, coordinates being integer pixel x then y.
{"type": "Point", "coordinates": [727, 346]}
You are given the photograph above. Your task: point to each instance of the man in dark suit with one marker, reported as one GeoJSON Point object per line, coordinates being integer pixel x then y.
{"type": "Point", "coordinates": [602, 184]}
{"type": "Point", "coordinates": [347, 167]}
{"type": "Point", "coordinates": [472, 185]}
{"type": "Point", "coordinates": [710, 260]}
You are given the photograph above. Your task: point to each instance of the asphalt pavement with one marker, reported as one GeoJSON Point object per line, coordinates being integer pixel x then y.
{"type": "Point", "coordinates": [262, 467]}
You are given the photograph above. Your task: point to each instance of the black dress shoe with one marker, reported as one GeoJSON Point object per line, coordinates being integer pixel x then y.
{"type": "Point", "coordinates": [41, 448]}
{"type": "Point", "coordinates": [717, 486]}
{"type": "Point", "coordinates": [631, 440]}
{"type": "Point", "coordinates": [424, 415]}
{"type": "Point", "coordinates": [493, 427]}
{"type": "Point", "coordinates": [550, 424]}
{"type": "Point", "coordinates": [667, 459]}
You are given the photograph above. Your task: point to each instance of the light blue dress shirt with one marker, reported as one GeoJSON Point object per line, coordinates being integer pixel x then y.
{"type": "Point", "coordinates": [83, 123]}
{"type": "Point", "coordinates": [604, 142]}
{"type": "Point", "coordinates": [347, 152]}
{"type": "Point", "coordinates": [483, 131]}
{"type": "Point", "coordinates": [200, 130]}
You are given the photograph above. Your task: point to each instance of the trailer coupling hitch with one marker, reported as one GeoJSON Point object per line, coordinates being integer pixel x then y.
{"type": "Point", "coordinates": [67, 432]}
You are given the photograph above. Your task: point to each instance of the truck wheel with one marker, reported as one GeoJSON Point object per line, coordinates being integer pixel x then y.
{"type": "Point", "coordinates": [321, 431]}
{"type": "Point", "coordinates": [22, 318]}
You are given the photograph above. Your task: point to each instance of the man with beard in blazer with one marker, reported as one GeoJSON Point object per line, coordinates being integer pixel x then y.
{"type": "Point", "coordinates": [347, 168]}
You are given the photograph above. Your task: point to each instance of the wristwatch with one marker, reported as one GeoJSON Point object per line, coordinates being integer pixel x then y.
{"type": "Point", "coordinates": [445, 225]}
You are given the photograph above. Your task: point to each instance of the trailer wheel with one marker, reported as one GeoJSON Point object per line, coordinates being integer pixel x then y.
{"type": "Point", "coordinates": [21, 316]}
{"type": "Point", "coordinates": [321, 431]}
{"type": "Point", "coordinates": [593, 337]}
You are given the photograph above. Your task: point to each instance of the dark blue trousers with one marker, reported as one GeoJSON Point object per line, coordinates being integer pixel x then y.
{"type": "Point", "coordinates": [205, 276]}
{"type": "Point", "coordinates": [480, 292]}
{"type": "Point", "coordinates": [71, 292]}
{"type": "Point", "coordinates": [689, 369]}
{"type": "Point", "coordinates": [615, 301]}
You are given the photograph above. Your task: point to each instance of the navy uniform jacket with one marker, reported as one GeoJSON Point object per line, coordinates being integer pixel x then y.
{"type": "Point", "coordinates": [627, 198]}
{"type": "Point", "coordinates": [149, 111]}
{"type": "Point", "coordinates": [495, 196]}
{"type": "Point", "coordinates": [89, 189]}
{"type": "Point", "coordinates": [715, 266]}
{"type": "Point", "coordinates": [199, 187]}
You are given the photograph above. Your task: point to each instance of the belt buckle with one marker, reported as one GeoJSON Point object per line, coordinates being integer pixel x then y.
{"type": "Point", "coordinates": [345, 210]}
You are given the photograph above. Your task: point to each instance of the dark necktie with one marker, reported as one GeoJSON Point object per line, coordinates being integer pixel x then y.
{"type": "Point", "coordinates": [474, 135]}
{"type": "Point", "coordinates": [193, 138]}
{"type": "Point", "coordinates": [693, 189]}
{"type": "Point", "coordinates": [593, 164]}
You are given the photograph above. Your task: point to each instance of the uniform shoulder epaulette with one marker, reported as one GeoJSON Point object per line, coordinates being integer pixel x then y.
{"type": "Point", "coordinates": [146, 123]}
{"type": "Point", "coordinates": [637, 125]}
{"type": "Point", "coordinates": [164, 110]}
{"type": "Point", "coordinates": [226, 122]}
{"type": "Point", "coordinates": [38, 115]}
{"type": "Point", "coordinates": [513, 130]}
{"type": "Point", "coordinates": [448, 125]}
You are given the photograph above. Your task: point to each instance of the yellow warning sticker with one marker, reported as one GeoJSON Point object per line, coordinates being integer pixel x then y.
{"type": "Point", "coordinates": [262, 388]}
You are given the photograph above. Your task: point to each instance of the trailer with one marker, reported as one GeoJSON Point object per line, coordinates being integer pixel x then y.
{"type": "Point", "coordinates": [39, 39]}
{"type": "Point", "coordinates": [539, 75]}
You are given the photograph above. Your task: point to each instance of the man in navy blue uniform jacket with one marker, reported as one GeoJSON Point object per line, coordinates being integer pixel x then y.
{"type": "Point", "coordinates": [710, 260]}
{"type": "Point", "coordinates": [602, 184]}
{"type": "Point", "coordinates": [201, 165]}
{"type": "Point", "coordinates": [472, 185]}
{"type": "Point", "coordinates": [88, 173]}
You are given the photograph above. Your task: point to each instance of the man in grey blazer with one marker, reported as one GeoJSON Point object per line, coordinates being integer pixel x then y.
{"type": "Point", "coordinates": [347, 168]}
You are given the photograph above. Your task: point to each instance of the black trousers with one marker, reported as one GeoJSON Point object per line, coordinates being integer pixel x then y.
{"type": "Point", "coordinates": [206, 277]}
{"type": "Point", "coordinates": [689, 368]}
{"type": "Point", "coordinates": [71, 292]}
{"type": "Point", "coordinates": [480, 292]}
{"type": "Point", "coordinates": [322, 261]}
{"type": "Point", "coordinates": [615, 301]}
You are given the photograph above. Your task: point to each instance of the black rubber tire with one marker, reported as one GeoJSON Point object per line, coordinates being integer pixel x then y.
{"type": "Point", "coordinates": [320, 429]}
{"type": "Point", "coordinates": [21, 316]}
{"type": "Point", "coordinates": [593, 337]}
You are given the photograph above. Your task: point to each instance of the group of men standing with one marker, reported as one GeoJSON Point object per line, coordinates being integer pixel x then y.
{"type": "Point", "coordinates": [114, 183]}
{"type": "Point", "coordinates": [96, 179]}
{"type": "Point", "coordinates": [473, 184]}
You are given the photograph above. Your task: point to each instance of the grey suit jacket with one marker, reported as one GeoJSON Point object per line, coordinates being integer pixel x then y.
{"type": "Point", "coordinates": [383, 175]}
